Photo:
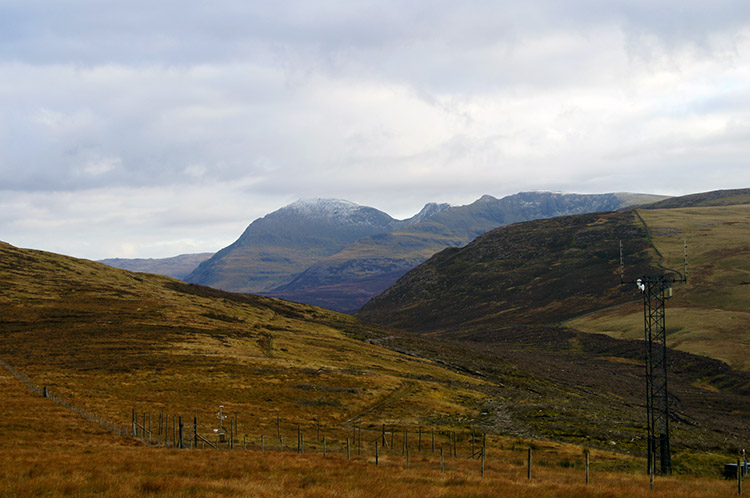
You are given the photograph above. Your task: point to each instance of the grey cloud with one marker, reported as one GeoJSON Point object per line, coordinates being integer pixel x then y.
{"type": "Point", "coordinates": [159, 113]}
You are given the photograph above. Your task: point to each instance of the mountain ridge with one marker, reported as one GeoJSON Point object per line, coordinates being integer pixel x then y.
{"type": "Point", "coordinates": [338, 254]}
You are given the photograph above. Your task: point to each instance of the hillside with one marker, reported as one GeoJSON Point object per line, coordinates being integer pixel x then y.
{"type": "Point", "coordinates": [536, 272]}
{"type": "Point", "coordinates": [80, 458]}
{"type": "Point", "coordinates": [529, 294]}
{"type": "Point", "coordinates": [113, 341]}
{"type": "Point", "coordinates": [348, 279]}
{"type": "Point", "coordinates": [709, 314]}
{"type": "Point", "coordinates": [566, 270]}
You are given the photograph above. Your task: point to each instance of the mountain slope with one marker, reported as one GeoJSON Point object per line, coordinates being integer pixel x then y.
{"type": "Point", "coordinates": [550, 271]}
{"type": "Point", "coordinates": [709, 314]}
{"type": "Point", "coordinates": [276, 248]}
{"type": "Point", "coordinates": [503, 298]}
{"type": "Point", "coordinates": [112, 340]}
{"type": "Point", "coordinates": [533, 272]}
{"type": "Point", "coordinates": [349, 278]}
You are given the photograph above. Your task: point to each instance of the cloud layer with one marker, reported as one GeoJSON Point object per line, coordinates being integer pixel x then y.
{"type": "Point", "coordinates": [152, 128]}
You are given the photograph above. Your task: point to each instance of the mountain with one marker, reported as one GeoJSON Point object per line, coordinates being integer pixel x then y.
{"type": "Point", "coordinates": [276, 248]}
{"type": "Point", "coordinates": [348, 279]}
{"type": "Point", "coordinates": [567, 270]}
{"type": "Point", "coordinates": [177, 266]}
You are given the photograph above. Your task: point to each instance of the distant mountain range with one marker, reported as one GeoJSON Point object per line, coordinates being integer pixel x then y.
{"type": "Point", "coordinates": [338, 254]}
{"type": "Point", "coordinates": [177, 266]}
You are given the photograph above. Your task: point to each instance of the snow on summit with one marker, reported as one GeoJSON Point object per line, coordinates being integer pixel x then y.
{"type": "Point", "coordinates": [339, 212]}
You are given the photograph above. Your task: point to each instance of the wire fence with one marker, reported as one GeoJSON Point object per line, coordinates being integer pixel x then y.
{"type": "Point", "coordinates": [406, 446]}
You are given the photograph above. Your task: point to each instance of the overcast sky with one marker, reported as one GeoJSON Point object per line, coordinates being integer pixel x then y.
{"type": "Point", "coordinates": [150, 128]}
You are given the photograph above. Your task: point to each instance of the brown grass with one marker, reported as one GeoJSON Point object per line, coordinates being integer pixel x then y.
{"type": "Point", "coordinates": [47, 451]}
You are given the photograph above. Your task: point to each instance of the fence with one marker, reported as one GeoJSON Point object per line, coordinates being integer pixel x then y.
{"type": "Point", "coordinates": [385, 444]}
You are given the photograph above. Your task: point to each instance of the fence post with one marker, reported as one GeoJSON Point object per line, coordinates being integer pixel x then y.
{"type": "Point", "coordinates": [484, 450]}
{"type": "Point", "coordinates": [433, 440]}
{"type": "Point", "coordinates": [376, 452]}
{"type": "Point", "coordinates": [324, 446]}
{"type": "Point", "coordinates": [348, 453]}
{"type": "Point", "coordinates": [181, 444]}
{"type": "Point", "coordinates": [528, 470]}
{"type": "Point", "coordinates": [586, 453]}
{"type": "Point", "coordinates": [442, 462]}
{"type": "Point", "coordinates": [195, 427]}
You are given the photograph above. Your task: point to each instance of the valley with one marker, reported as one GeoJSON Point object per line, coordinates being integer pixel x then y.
{"type": "Point", "coordinates": [524, 335]}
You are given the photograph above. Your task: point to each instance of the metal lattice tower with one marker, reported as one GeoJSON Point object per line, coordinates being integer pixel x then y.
{"type": "Point", "coordinates": [656, 290]}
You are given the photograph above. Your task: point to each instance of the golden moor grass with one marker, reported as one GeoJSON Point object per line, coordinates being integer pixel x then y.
{"type": "Point", "coordinates": [48, 451]}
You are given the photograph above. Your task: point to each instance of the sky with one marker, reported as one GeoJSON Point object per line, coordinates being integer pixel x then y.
{"type": "Point", "coordinates": [151, 128]}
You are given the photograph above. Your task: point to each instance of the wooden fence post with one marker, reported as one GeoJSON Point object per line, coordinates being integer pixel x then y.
{"type": "Point", "coordinates": [528, 470]}
{"type": "Point", "coordinates": [433, 440]}
{"type": "Point", "coordinates": [324, 446]}
{"type": "Point", "coordinates": [484, 450]}
{"type": "Point", "coordinates": [586, 453]}
{"type": "Point", "coordinates": [348, 453]}
{"type": "Point", "coordinates": [442, 462]}
{"type": "Point", "coordinates": [181, 446]}
{"type": "Point", "coordinates": [376, 452]}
